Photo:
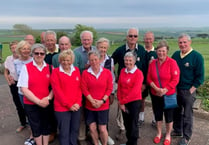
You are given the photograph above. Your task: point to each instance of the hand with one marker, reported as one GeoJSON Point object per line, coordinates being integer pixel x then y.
{"type": "Point", "coordinates": [98, 103]}
{"type": "Point", "coordinates": [122, 107]}
{"type": "Point", "coordinates": [10, 80]}
{"type": "Point", "coordinates": [111, 99]}
{"type": "Point", "coordinates": [143, 87]}
{"type": "Point", "coordinates": [44, 102]}
{"type": "Point", "coordinates": [75, 107]}
{"type": "Point", "coordinates": [192, 89]}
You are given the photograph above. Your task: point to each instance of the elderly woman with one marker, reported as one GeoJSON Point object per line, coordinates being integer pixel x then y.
{"type": "Point", "coordinates": [11, 77]}
{"type": "Point", "coordinates": [107, 62]}
{"type": "Point", "coordinates": [129, 96]}
{"type": "Point", "coordinates": [23, 50]}
{"type": "Point", "coordinates": [97, 86]}
{"type": "Point", "coordinates": [65, 82]}
{"type": "Point", "coordinates": [34, 82]}
{"type": "Point", "coordinates": [169, 78]}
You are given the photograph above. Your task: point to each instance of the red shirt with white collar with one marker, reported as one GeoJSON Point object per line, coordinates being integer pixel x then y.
{"type": "Point", "coordinates": [130, 85]}
{"type": "Point", "coordinates": [169, 75]}
{"type": "Point", "coordinates": [97, 86]}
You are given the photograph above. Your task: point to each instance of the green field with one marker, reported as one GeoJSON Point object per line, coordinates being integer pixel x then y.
{"type": "Point", "coordinates": [117, 38]}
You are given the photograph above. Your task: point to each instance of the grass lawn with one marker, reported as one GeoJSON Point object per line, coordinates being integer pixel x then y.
{"type": "Point", "coordinates": [201, 45]}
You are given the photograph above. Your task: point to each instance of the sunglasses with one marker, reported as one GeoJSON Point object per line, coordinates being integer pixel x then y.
{"type": "Point", "coordinates": [135, 36]}
{"type": "Point", "coordinates": [39, 53]}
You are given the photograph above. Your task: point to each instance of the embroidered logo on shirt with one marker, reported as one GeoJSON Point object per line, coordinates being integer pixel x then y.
{"type": "Point", "coordinates": [77, 79]}
{"type": "Point", "coordinates": [186, 64]}
{"type": "Point", "coordinates": [47, 75]}
{"type": "Point", "coordinates": [175, 72]}
{"type": "Point", "coordinates": [138, 59]}
{"type": "Point", "coordinates": [128, 80]}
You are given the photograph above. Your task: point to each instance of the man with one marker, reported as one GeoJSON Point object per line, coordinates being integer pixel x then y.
{"type": "Point", "coordinates": [86, 40]}
{"type": "Point", "coordinates": [30, 39]}
{"type": "Point", "coordinates": [64, 44]}
{"type": "Point", "coordinates": [150, 55]}
{"type": "Point", "coordinates": [42, 38]}
{"type": "Point", "coordinates": [118, 56]}
{"type": "Point", "coordinates": [50, 43]}
{"type": "Point", "coordinates": [191, 65]}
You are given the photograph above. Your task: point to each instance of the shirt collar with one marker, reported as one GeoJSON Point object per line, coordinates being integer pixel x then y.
{"type": "Point", "coordinates": [91, 72]}
{"type": "Point", "coordinates": [55, 51]}
{"type": "Point", "coordinates": [103, 63]}
{"type": "Point", "coordinates": [132, 70]}
{"type": "Point", "coordinates": [127, 48]}
{"type": "Point", "coordinates": [183, 55]}
{"type": "Point", "coordinates": [83, 49]}
{"type": "Point", "coordinates": [153, 49]}
{"type": "Point", "coordinates": [72, 69]}
{"type": "Point", "coordinates": [39, 68]}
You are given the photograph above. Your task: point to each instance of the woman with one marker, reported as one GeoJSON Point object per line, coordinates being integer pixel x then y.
{"type": "Point", "coordinates": [169, 78]}
{"type": "Point", "coordinates": [23, 50]}
{"type": "Point", "coordinates": [97, 86]}
{"type": "Point", "coordinates": [129, 96]}
{"type": "Point", "coordinates": [11, 77]}
{"type": "Point", "coordinates": [65, 82]}
{"type": "Point", "coordinates": [34, 82]}
{"type": "Point", "coordinates": [107, 62]}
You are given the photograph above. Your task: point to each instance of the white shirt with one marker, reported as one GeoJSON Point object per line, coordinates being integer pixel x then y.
{"type": "Point", "coordinates": [72, 69]}
{"type": "Point", "coordinates": [96, 75]}
{"type": "Point", "coordinates": [9, 64]}
{"type": "Point", "coordinates": [132, 70]}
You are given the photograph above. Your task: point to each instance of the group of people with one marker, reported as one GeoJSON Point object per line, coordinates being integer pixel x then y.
{"type": "Point", "coordinates": [72, 90]}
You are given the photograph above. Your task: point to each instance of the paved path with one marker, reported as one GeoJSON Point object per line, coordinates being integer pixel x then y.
{"type": "Point", "coordinates": [9, 122]}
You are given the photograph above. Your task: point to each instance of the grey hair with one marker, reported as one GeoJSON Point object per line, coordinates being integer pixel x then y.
{"type": "Point", "coordinates": [94, 52]}
{"type": "Point", "coordinates": [184, 35]}
{"type": "Point", "coordinates": [86, 31]}
{"type": "Point", "coordinates": [38, 45]}
{"type": "Point", "coordinates": [50, 33]}
{"type": "Point", "coordinates": [130, 54]}
{"type": "Point", "coordinates": [103, 40]}
{"type": "Point", "coordinates": [137, 30]}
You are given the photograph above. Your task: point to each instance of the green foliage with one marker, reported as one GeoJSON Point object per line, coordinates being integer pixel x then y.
{"type": "Point", "coordinates": [75, 39]}
{"type": "Point", "coordinates": [25, 29]}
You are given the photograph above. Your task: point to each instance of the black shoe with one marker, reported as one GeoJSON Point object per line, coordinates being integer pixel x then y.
{"type": "Point", "coordinates": [176, 134]}
{"type": "Point", "coordinates": [140, 123]}
{"type": "Point", "coordinates": [184, 141]}
{"type": "Point", "coordinates": [154, 123]}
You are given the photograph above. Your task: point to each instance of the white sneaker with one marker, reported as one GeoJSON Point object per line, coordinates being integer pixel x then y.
{"type": "Point", "coordinates": [110, 141]}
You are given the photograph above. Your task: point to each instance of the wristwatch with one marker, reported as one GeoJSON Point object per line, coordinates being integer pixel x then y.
{"type": "Point", "coordinates": [104, 101]}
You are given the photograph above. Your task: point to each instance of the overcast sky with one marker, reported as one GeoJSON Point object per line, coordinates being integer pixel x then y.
{"type": "Point", "coordinates": [47, 14]}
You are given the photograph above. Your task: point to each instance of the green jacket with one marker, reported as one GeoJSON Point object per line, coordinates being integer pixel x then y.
{"type": "Point", "coordinates": [191, 69]}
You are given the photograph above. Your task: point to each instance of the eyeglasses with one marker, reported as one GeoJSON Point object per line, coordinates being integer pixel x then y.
{"type": "Point", "coordinates": [39, 53]}
{"type": "Point", "coordinates": [135, 36]}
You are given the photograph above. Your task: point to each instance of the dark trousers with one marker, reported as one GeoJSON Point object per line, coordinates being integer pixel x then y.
{"type": "Point", "coordinates": [68, 124]}
{"type": "Point", "coordinates": [18, 104]}
{"type": "Point", "coordinates": [52, 118]}
{"type": "Point", "coordinates": [183, 115]}
{"type": "Point", "coordinates": [130, 118]}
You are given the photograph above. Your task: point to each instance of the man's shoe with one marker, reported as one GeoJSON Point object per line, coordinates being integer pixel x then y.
{"type": "Point", "coordinates": [82, 142]}
{"type": "Point", "coordinates": [176, 134]}
{"type": "Point", "coordinates": [154, 123]}
{"type": "Point", "coordinates": [120, 135]}
{"type": "Point", "coordinates": [184, 141]}
{"type": "Point", "coordinates": [140, 123]}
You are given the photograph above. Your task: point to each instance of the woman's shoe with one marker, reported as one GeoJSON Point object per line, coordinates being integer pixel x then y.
{"type": "Point", "coordinates": [20, 128]}
{"type": "Point", "coordinates": [167, 142]}
{"type": "Point", "coordinates": [157, 139]}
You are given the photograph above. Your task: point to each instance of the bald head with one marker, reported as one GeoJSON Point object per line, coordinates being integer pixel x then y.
{"type": "Point", "coordinates": [42, 37]}
{"type": "Point", "coordinates": [64, 43]}
{"type": "Point", "coordinates": [30, 39]}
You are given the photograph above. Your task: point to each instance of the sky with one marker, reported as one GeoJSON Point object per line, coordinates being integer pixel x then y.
{"type": "Point", "coordinates": [65, 14]}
